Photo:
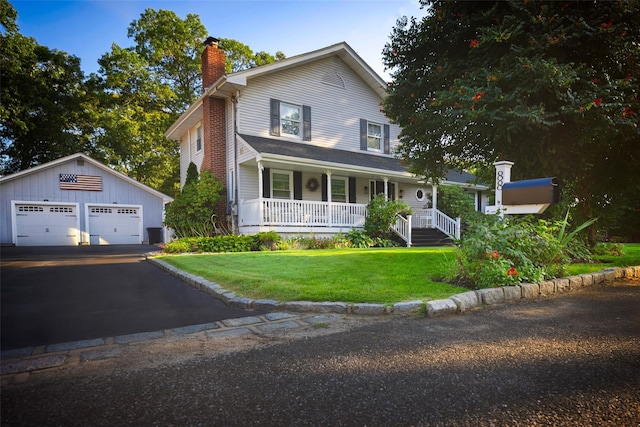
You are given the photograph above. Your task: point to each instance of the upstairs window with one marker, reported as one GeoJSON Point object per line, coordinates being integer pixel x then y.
{"type": "Point", "coordinates": [290, 120]}
{"type": "Point", "coordinates": [199, 138]}
{"type": "Point", "coordinates": [374, 137]}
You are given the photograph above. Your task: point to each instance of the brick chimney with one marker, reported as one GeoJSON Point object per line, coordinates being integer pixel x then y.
{"type": "Point", "coordinates": [213, 60]}
{"type": "Point", "coordinates": [213, 122]}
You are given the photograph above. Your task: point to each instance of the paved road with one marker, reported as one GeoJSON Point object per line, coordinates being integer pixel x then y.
{"type": "Point", "coordinates": [52, 295]}
{"type": "Point", "coordinates": [570, 360]}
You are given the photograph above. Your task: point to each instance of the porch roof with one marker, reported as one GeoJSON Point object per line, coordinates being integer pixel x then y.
{"type": "Point", "coordinates": [321, 155]}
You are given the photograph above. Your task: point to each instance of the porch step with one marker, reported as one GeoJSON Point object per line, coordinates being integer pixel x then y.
{"type": "Point", "coordinates": [421, 237]}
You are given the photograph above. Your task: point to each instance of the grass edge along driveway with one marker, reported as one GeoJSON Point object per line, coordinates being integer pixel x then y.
{"type": "Point", "coordinates": [376, 275]}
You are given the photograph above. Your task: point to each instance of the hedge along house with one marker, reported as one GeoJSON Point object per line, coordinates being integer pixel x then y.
{"type": "Point", "coordinates": [302, 146]}
{"type": "Point", "coordinates": [77, 200]}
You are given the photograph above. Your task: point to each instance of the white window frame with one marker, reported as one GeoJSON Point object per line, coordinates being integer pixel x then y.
{"type": "Point", "coordinates": [371, 136]}
{"type": "Point", "coordinates": [198, 138]}
{"type": "Point", "coordinates": [344, 179]}
{"type": "Point", "coordinates": [283, 119]}
{"type": "Point", "coordinates": [282, 172]}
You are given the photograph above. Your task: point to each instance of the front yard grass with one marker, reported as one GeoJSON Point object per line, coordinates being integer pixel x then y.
{"type": "Point", "coordinates": [383, 276]}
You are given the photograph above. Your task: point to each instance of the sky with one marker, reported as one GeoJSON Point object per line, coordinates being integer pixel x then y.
{"type": "Point", "coordinates": [88, 28]}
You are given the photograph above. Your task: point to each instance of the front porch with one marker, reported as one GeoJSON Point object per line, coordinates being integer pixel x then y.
{"type": "Point", "coordinates": [329, 218]}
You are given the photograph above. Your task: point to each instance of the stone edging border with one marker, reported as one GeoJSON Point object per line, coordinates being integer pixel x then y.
{"type": "Point", "coordinates": [434, 308]}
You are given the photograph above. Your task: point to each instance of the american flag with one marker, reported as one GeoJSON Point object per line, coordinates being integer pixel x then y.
{"type": "Point", "coordinates": [71, 181]}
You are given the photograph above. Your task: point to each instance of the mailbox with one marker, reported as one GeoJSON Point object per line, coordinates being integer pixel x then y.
{"type": "Point", "coordinates": [531, 192]}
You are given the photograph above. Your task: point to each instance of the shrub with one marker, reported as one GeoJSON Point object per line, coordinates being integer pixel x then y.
{"type": "Point", "coordinates": [228, 243]}
{"type": "Point", "coordinates": [501, 251]}
{"type": "Point", "coordinates": [381, 215]}
{"type": "Point", "coordinates": [454, 202]}
{"type": "Point", "coordinates": [266, 240]}
{"type": "Point", "coordinates": [359, 239]}
{"type": "Point", "coordinates": [192, 212]}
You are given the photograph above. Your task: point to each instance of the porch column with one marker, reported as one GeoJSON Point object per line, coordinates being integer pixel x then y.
{"type": "Point", "coordinates": [329, 209]}
{"type": "Point", "coordinates": [260, 195]}
{"type": "Point", "coordinates": [386, 188]}
{"type": "Point", "coordinates": [434, 196]}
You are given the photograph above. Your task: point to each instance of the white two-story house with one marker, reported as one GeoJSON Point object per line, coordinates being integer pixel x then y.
{"type": "Point", "coordinates": [302, 145]}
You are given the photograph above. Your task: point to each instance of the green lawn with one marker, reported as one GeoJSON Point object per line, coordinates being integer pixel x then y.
{"type": "Point", "coordinates": [630, 257]}
{"type": "Point", "coordinates": [383, 276]}
{"type": "Point", "coordinates": [380, 275]}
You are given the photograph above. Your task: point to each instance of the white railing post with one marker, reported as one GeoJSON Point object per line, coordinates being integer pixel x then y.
{"type": "Point", "coordinates": [409, 226]}
{"type": "Point", "coordinates": [457, 231]}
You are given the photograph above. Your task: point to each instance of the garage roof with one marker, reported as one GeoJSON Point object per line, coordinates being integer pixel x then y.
{"type": "Point", "coordinates": [95, 163]}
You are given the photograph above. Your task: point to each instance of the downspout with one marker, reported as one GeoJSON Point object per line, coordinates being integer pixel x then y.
{"type": "Point", "coordinates": [236, 172]}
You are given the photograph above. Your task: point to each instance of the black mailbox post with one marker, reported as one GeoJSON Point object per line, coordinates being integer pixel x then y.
{"type": "Point", "coordinates": [531, 192]}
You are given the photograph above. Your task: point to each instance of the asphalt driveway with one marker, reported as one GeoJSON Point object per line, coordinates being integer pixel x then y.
{"type": "Point", "coordinates": [52, 295]}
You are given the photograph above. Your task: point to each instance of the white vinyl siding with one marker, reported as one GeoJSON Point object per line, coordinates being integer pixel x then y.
{"type": "Point", "coordinates": [336, 111]}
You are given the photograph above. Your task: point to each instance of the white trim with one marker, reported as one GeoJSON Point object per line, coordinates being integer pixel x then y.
{"type": "Point", "coordinates": [14, 227]}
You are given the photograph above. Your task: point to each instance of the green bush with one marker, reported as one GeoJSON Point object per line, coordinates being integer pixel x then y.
{"type": "Point", "coordinates": [498, 251]}
{"type": "Point", "coordinates": [228, 243]}
{"type": "Point", "coordinates": [191, 214]}
{"type": "Point", "coordinates": [454, 202]}
{"type": "Point", "coordinates": [381, 215]}
{"type": "Point", "coordinates": [359, 239]}
{"type": "Point", "coordinates": [266, 240]}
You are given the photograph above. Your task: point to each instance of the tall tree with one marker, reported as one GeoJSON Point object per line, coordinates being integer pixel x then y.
{"type": "Point", "coordinates": [43, 111]}
{"type": "Point", "coordinates": [553, 86]}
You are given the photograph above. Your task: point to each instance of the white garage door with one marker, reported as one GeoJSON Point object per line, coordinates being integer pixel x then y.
{"type": "Point", "coordinates": [46, 225]}
{"type": "Point", "coordinates": [111, 225]}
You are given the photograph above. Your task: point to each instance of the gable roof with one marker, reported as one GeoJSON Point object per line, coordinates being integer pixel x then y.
{"type": "Point", "coordinates": [91, 161]}
{"type": "Point", "coordinates": [227, 85]}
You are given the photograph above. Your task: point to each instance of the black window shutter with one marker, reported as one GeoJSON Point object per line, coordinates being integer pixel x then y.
{"type": "Point", "coordinates": [275, 117]}
{"type": "Point", "coordinates": [391, 191]}
{"type": "Point", "coordinates": [352, 189]}
{"type": "Point", "coordinates": [266, 183]}
{"type": "Point", "coordinates": [363, 134]}
{"type": "Point", "coordinates": [297, 185]}
{"type": "Point", "coordinates": [387, 145]}
{"type": "Point", "coordinates": [306, 123]}
{"type": "Point", "coordinates": [324, 180]}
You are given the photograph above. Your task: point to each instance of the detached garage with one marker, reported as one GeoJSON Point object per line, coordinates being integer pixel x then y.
{"type": "Point", "coordinates": [77, 200]}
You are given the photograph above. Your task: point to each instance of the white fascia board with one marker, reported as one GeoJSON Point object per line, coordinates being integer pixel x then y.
{"type": "Point", "coordinates": [465, 185]}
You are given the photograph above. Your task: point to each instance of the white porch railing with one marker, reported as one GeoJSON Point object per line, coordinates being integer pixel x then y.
{"type": "Point", "coordinates": [301, 213]}
{"type": "Point", "coordinates": [402, 228]}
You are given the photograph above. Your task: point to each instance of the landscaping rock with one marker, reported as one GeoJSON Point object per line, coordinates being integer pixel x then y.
{"type": "Point", "coordinates": [562, 285]}
{"type": "Point", "coordinates": [241, 302]}
{"type": "Point", "coordinates": [530, 290]}
{"type": "Point", "coordinates": [575, 282]}
{"type": "Point", "coordinates": [466, 301]}
{"type": "Point", "coordinates": [547, 288]}
{"type": "Point", "coordinates": [407, 307]}
{"type": "Point", "coordinates": [367, 309]}
{"type": "Point", "coordinates": [318, 307]}
{"type": "Point", "coordinates": [265, 304]}
{"type": "Point", "coordinates": [441, 307]}
{"type": "Point", "coordinates": [512, 293]}
{"type": "Point", "coordinates": [598, 277]}
{"type": "Point", "coordinates": [587, 279]}
{"type": "Point", "coordinates": [491, 296]}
